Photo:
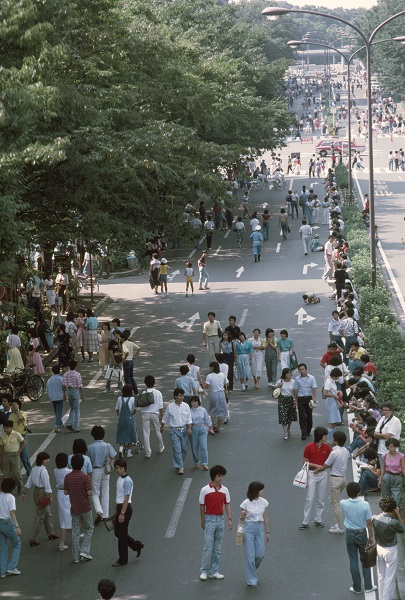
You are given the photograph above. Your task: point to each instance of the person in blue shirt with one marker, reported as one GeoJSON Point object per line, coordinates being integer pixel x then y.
{"type": "Point", "coordinates": [187, 383]}
{"type": "Point", "coordinates": [54, 389]}
{"type": "Point", "coordinates": [257, 238]}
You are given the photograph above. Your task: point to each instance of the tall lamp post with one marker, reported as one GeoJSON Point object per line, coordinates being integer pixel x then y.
{"type": "Point", "coordinates": [273, 12]}
{"type": "Point", "coordinates": [297, 43]}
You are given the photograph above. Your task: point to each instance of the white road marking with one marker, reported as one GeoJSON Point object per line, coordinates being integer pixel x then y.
{"type": "Point", "coordinates": [178, 507]}
{"type": "Point", "coordinates": [133, 330]}
{"type": "Point", "coordinates": [173, 275]}
{"type": "Point", "coordinates": [192, 253]}
{"type": "Point", "coordinates": [216, 252]}
{"type": "Point", "coordinates": [202, 239]}
{"type": "Point", "coordinates": [278, 247]}
{"type": "Point", "coordinates": [243, 317]}
{"type": "Point", "coordinates": [96, 377]}
{"type": "Point", "coordinates": [308, 266]}
{"type": "Point", "coordinates": [239, 272]}
{"type": "Point", "coordinates": [46, 442]}
{"type": "Point", "coordinates": [227, 233]}
{"type": "Point", "coordinates": [303, 316]}
{"type": "Point", "coordinates": [187, 325]}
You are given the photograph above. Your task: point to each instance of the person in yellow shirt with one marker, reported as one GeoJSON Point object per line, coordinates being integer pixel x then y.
{"type": "Point", "coordinates": [20, 424]}
{"type": "Point", "coordinates": [11, 445]}
{"type": "Point", "coordinates": [163, 270]}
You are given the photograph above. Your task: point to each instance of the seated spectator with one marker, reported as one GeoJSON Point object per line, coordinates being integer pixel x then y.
{"type": "Point", "coordinates": [370, 471]}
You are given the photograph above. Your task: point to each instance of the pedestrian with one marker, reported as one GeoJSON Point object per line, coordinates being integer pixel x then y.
{"type": "Point", "coordinates": [14, 360]}
{"type": "Point", "coordinates": [337, 463]}
{"type": "Point", "coordinates": [305, 234]}
{"type": "Point", "coordinates": [294, 203]}
{"type": "Point", "coordinates": [245, 205]}
{"type": "Point", "coordinates": [178, 416]}
{"type": "Point", "coordinates": [256, 529]}
{"type": "Point", "coordinates": [216, 383]}
{"type": "Point", "coordinates": [50, 291]}
{"type": "Point", "coordinates": [19, 419]}
{"type": "Point", "coordinates": [9, 529]}
{"type": "Point", "coordinates": [81, 332]}
{"type": "Point", "coordinates": [243, 358]}
{"type": "Point", "coordinates": [101, 454]}
{"type": "Point", "coordinates": [392, 471]}
{"type": "Point", "coordinates": [123, 514]}
{"type": "Point", "coordinates": [258, 345]}
{"type": "Point", "coordinates": [359, 534]}
{"type": "Point", "coordinates": [315, 454]}
{"type": "Point", "coordinates": [11, 445]}
{"type": "Point", "coordinates": [39, 479]}
{"type": "Point", "coordinates": [287, 405]}
{"type": "Point", "coordinates": [227, 352]}
{"type": "Point", "coordinates": [103, 352]}
{"type": "Point", "coordinates": [106, 588]}
{"type": "Point", "coordinates": [233, 329]}
{"type": "Point", "coordinates": [195, 372]}
{"type": "Point", "coordinates": [202, 424]}
{"type": "Point", "coordinates": [91, 338]}
{"type": "Point", "coordinates": [34, 359]}
{"type": "Point", "coordinates": [65, 518]}
{"type": "Point", "coordinates": [115, 361]}
{"type": "Point", "coordinates": [125, 409]}
{"type": "Point", "coordinates": [389, 426]}
{"type": "Point", "coordinates": [65, 347]}
{"type": "Point", "coordinates": [152, 415]}
{"type": "Point", "coordinates": [333, 399]}
{"type": "Point", "coordinates": [189, 274]}
{"type": "Point", "coordinates": [73, 391]}
{"type": "Point", "coordinates": [214, 497]}
{"type": "Point", "coordinates": [187, 383]}
{"type": "Point", "coordinates": [284, 349]}
{"type": "Point", "coordinates": [257, 239]}
{"type": "Point", "coordinates": [78, 487]}
{"type": "Point", "coordinates": [62, 282]}
{"type": "Point", "coordinates": [202, 267]}
{"type": "Point", "coordinates": [130, 351]}
{"type": "Point", "coordinates": [270, 356]}
{"type": "Point", "coordinates": [386, 526]}
{"type": "Point", "coordinates": [283, 222]}
{"type": "Point", "coordinates": [211, 335]}
{"type": "Point", "coordinates": [305, 395]}
{"type": "Point", "coordinates": [266, 224]}
{"type": "Point", "coordinates": [240, 231]}
{"type": "Point", "coordinates": [209, 230]}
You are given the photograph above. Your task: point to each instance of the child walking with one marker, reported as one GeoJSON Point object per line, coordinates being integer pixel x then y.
{"type": "Point", "coordinates": [189, 274]}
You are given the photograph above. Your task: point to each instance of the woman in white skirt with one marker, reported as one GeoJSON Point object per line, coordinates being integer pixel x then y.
{"type": "Point", "coordinates": [50, 291]}
{"type": "Point", "coordinates": [332, 395]}
{"type": "Point", "coordinates": [91, 337]}
{"type": "Point", "coordinates": [258, 345]}
{"type": "Point", "coordinates": [284, 349]}
{"type": "Point", "coordinates": [65, 518]}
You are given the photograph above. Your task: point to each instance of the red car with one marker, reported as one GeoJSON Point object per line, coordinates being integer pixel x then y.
{"type": "Point", "coordinates": [325, 147]}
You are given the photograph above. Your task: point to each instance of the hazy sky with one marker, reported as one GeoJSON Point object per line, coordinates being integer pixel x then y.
{"type": "Point", "coordinates": [326, 3]}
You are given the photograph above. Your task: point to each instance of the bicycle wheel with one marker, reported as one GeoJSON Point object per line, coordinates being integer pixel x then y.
{"type": "Point", "coordinates": [35, 388]}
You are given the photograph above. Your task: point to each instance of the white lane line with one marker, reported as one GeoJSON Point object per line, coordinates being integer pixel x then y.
{"type": "Point", "coordinates": [96, 377]}
{"type": "Point", "coordinates": [202, 239]}
{"type": "Point", "coordinates": [46, 442]}
{"type": "Point", "coordinates": [217, 250]}
{"type": "Point", "coordinates": [227, 233]}
{"type": "Point", "coordinates": [386, 263]}
{"type": "Point", "coordinates": [243, 317]}
{"type": "Point", "coordinates": [178, 507]}
{"type": "Point", "coordinates": [133, 330]}
{"type": "Point", "coordinates": [192, 253]}
{"type": "Point", "coordinates": [278, 247]}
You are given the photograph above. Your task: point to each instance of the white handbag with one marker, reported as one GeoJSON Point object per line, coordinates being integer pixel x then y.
{"type": "Point", "coordinates": [301, 478]}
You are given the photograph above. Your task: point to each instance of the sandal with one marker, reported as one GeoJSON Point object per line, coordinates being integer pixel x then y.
{"type": "Point", "coordinates": [206, 468]}
{"type": "Point", "coordinates": [196, 466]}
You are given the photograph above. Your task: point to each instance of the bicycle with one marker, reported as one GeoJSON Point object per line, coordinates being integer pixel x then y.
{"type": "Point", "coordinates": [84, 282]}
{"type": "Point", "coordinates": [22, 383]}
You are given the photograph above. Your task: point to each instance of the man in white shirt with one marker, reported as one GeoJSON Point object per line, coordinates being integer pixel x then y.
{"type": "Point", "coordinates": [197, 227]}
{"type": "Point", "coordinates": [211, 335]}
{"type": "Point", "coordinates": [389, 426]}
{"type": "Point", "coordinates": [337, 463]}
{"type": "Point", "coordinates": [306, 234]}
{"type": "Point", "coordinates": [254, 221]}
{"type": "Point", "coordinates": [178, 416]}
{"type": "Point", "coordinates": [152, 414]}
{"type": "Point", "coordinates": [129, 352]}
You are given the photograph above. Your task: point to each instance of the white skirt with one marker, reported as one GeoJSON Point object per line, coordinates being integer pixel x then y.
{"type": "Point", "coordinates": [65, 518]}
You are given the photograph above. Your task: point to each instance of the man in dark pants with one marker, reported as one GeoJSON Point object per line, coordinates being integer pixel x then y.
{"type": "Point", "coordinates": [304, 392]}
{"type": "Point", "coordinates": [123, 513]}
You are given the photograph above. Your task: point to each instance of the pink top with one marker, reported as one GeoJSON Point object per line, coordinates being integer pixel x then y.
{"type": "Point", "coordinates": [393, 463]}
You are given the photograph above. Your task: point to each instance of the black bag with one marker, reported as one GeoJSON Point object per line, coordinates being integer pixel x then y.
{"type": "Point", "coordinates": [370, 556]}
{"type": "Point", "coordinates": [144, 399]}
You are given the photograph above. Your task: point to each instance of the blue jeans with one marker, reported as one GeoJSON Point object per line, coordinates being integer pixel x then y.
{"type": "Point", "coordinates": [73, 395]}
{"type": "Point", "coordinates": [294, 207]}
{"type": "Point", "coordinates": [367, 481]}
{"type": "Point", "coordinates": [199, 444]}
{"type": "Point", "coordinates": [284, 229]}
{"type": "Point", "coordinates": [203, 277]}
{"type": "Point", "coordinates": [213, 536]}
{"type": "Point", "coordinates": [356, 541]}
{"type": "Point", "coordinates": [58, 410]}
{"type": "Point", "coordinates": [128, 367]}
{"type": "Point", "coordinates": [25, 459]}
{"type": "Point", "coordinates": [8, 532]}
{"type": "Point", "coordinates": [254, 550]}
{"type": "Point", "coordinates": [266, 231]}
{"type": "Point", "coordinates": [179, 443]}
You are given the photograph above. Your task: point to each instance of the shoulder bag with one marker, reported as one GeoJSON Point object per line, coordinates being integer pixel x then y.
{"type": "Point", "coordinates": [301, 478]}
{"type": "Point", "coordinates": [144, 399]}
{"type": "Point", "coordinates": [44, 501]}
{"type": "Point", "coordinates": [107, 465]}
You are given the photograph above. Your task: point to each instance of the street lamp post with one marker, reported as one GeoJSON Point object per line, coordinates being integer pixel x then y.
{"type": "Point", "coordinates": [273, 12]}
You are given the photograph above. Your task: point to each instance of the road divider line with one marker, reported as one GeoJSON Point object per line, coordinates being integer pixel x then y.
{"type": "Point", "coordinates": [96, 377]}
{"type": "Point", "coordinates": [217, 250]}
{"type": "Point", "coordinates": [243, 317]}
{"type": "Point", "coordinates": [192, 253]}
{"type": "Point", "coordinates": [178, 508]}
{"type": "Point", "coordinates": [227, 233]}
{"type": "Point", "coordinates": [278, 247]}
{"type": "Point", "coordinates": [46, 441]}
{"type": "Point", "coordinates": [133, 330]}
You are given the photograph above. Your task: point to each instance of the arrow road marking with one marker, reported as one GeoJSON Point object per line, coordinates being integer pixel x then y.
{"type": "Point", "coordinates": [315, 227]}
{"type": "Point", "coordinates": [278, 247]}
{"type": "Point", "coordinates": [308, 266]}
{"type": "Point", "coordinates": [239, 271]}
{"type": "Point", "coordinates": [174, 275]}
{"type": "Point", "coordinates": [303, 316]}
{"type": "Point", "coordinates": [265, 205]}
{"type": "Point", "coordinates": [187, 325]}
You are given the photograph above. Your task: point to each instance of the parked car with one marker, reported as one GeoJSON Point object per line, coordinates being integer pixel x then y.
{"type": "Point", "coordinates": [325, 147]}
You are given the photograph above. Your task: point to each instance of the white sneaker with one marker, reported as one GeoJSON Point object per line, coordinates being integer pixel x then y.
{"type": "Point", "coordinates": [13, 572]}
{"type": "Point", "coordinates": [216, 576]}
{"type": "Point", "coordinates": [336, 529]}
{"type": "Point", "coordinates": [129, 453]}
{"type": "Point", "coordinates": [162, 450]}
{"type": "Point", "coordinates": [372, 589]}
{"type": "Point", "coordinates": [148, 455]}
{"type": "Point", "coordinates": [203, 576]}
